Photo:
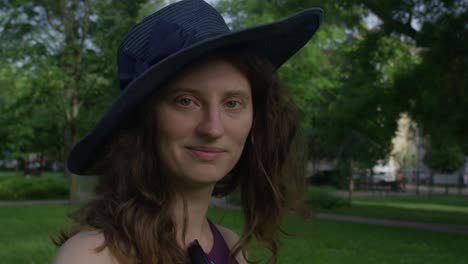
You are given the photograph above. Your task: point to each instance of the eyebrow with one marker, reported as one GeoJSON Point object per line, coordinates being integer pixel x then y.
{"type": "Point", "coordinates": [229, 93]}
{"type": "Point", "coordinates": [238, 93]}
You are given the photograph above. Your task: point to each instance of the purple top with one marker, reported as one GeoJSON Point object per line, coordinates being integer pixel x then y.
{"type": "Point", "coordinates": [220, 252]}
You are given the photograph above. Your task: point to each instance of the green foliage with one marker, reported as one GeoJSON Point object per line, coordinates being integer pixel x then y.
{"type": "Point", "coordinates": [342, 173]}
{"type": "Point", "coordinates": [16, 133]}
{"type": "Point", "coordinates": [150, 6]}
{"type": "Point", "coordinates": [18, 187]}
{"type": "Point", "coordinates": [320, 199]}
{"type": "Point", "coordinates": [433, 92]}
{"type": "Point", "coordinates": [32, 120]}
{"type": "Point", "coordinates": [351, 84]}
{"type": "Point", "coordinates": [63, 55]}
{"type": "Point", "coordinates": [444, 156]}
{"type": "Point", "coordinates": [341, 81]}
{"type": "Point", "coordinates": [234, 198]}
{"type": "Point", "coordinates": [356, 124]}
{"type": "Point", "coordinates": [316, 199]}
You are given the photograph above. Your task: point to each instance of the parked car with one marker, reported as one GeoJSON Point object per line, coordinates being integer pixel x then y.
{"type": "Point", "coordinates": [11, 164]}
{"type": "Point", "coordinates": [381, 176]}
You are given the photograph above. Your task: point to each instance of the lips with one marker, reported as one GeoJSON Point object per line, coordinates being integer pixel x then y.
{"type": "Point", "coordinates": [206, 153]}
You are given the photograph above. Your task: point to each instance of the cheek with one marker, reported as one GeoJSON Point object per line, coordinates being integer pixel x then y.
{"type": "Point", "coordinates": [171, 123]}
{"type": "Point", "coordinates": [241, 130]}
{"type": "Point", "coordinates": [171, 127]}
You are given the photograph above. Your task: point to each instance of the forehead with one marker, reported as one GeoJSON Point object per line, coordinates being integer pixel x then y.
{"type": "Point", "coordinates": [218, 72]}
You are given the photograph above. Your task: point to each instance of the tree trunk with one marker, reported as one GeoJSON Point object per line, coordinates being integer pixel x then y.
{"type": "Point", "coordinates": [460, 181]}
{"type": "Point", "coordinates": [431, 182]}
{"type": "Point", "coordinates": [351, 189]}
{"type": "Point", "coordinates": [70, 138]}
{"type": "Point", "coordinates": [75, 35]}
{"type": "Point", "coordinates": [417, 182]}
{"type": "Point", "coordinates": [446, 184]}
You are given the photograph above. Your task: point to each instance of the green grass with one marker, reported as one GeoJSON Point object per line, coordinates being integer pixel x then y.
{"type": "Point", "coordinates": [436, 209]}
{"type": "Point", "coordinates": [26, 232]}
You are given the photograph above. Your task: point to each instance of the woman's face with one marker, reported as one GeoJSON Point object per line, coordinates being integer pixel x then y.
{"type": "Point", "coordinates": [204, 118]}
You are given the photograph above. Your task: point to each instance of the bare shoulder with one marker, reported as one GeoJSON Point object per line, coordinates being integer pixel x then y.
{"type": "Point", "coordinates": [231, 239]}
{"type": "Point", "coordinates": [81, 248]}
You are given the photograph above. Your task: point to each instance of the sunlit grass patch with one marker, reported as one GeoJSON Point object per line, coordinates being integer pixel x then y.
{"type": "Point", "coordinates": [435, 209]}
{"type": "Point", "coordinates": [416, 206]}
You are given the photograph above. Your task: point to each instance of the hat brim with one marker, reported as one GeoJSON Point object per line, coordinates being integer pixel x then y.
{"type": "Point", "coordinates": [278, 41]}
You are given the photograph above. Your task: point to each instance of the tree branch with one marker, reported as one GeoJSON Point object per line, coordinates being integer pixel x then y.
{"type": "Point", "coordinates": [49, 20]}
{"type": "Point", "coordinates": [390, 24]}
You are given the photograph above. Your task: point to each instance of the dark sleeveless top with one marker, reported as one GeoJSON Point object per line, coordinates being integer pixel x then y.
{"type": "Point", "coordinates": [220, 252]}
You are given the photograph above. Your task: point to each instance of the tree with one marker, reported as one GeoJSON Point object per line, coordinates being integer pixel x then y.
{"type": "Point", "coordinates": [67, 51]}
{"type": "Point", "coordinates": [357, 125]}
{"type": "Point", "coordinates": [433, 91]}
{"type": "Point", "coordinates": [15, 135]}
{"type": "Point", "coordinates": [342, 81]}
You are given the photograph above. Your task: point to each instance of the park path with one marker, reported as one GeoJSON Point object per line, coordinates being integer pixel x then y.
{"type": "Point", "coordinates": [448, 228]}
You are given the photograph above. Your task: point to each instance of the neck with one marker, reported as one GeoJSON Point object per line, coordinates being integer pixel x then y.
{"type": "Point", "coordinates": [193, 217]}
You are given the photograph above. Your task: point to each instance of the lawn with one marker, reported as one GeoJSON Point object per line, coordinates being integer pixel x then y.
{"type": "Point", "coordinates": [26, 232]}
{"type": "Point", "coordinates": [448, 209]}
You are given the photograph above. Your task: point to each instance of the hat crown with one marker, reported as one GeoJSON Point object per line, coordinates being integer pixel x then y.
{"type": "Point", "coordinates": [165, 32]}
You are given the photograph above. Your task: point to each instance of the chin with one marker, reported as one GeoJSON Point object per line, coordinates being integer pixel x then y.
{"type": "Point", "coordinates": [205, 174]}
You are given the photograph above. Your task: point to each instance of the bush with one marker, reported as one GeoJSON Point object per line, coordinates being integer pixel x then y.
{"type": "Point", "coordinates": [234, 198]}
{"type": "Point", "coordinates": [16, 187]}
{"type": "Point", "coordinates": [320, 199]}
{"type": "Point", "coordinates": [316, 198]}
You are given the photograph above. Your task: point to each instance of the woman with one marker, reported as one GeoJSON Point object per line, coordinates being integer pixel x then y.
{"type": "Point", "coordinates": [200, 114]}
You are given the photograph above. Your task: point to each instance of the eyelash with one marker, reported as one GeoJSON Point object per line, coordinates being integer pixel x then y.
{"type": "Point", "coordinates": [181, 101]}
{"type": "Point", "coordinates": [238, 103]}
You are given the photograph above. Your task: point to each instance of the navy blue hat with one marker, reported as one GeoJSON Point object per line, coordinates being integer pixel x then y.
{"type": "Point", "coordinates": [164, 42]}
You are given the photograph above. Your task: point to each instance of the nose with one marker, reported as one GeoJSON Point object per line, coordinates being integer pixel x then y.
{"type": "Point", "coordinates": [211, 123]}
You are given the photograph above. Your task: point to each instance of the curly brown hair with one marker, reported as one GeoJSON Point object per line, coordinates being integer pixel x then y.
{"type": "Point", "coordinates": [134, 199]}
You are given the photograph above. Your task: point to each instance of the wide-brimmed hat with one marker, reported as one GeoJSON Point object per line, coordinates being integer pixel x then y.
{"type": "Point", "coordinates": [166, 41]}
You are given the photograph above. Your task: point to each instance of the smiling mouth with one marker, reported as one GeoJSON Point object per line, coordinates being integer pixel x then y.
{"type": "Point", "coordinates": [206, 153]}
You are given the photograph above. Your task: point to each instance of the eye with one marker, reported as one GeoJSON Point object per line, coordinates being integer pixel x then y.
{"type": "Point", "coordinates": [184, 101]}
{"type": "Point", "coordinates": [233, 104]}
